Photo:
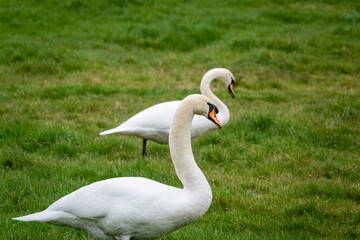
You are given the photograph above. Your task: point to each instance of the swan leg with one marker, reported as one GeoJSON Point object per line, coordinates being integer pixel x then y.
{"type": "Point", "coordinates": [144, 153]}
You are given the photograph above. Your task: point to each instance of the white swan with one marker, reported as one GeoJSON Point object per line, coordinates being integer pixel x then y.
{"type": "Point", "coordinates": [154, 122]}
{"type": "Point", "coordinates": [139, 208]}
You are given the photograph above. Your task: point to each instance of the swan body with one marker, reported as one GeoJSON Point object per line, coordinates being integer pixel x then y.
{"type": "Point", "coordinates": [138, 208]}
{"type": "Point", "coordinates": [154, 122]}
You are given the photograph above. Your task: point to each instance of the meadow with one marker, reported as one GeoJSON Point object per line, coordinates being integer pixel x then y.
{"type": "Point", "coordinates": [286, 166]}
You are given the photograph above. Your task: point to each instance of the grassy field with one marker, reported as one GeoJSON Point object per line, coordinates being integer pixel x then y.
{"type": "Point", "coordinates": [287, 165]}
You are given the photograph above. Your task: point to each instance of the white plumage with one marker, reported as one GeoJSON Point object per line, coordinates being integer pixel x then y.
{"type": "Point", "coordinates": [154, 122]}
{"type": "Point", "coordinates": [139, 208]}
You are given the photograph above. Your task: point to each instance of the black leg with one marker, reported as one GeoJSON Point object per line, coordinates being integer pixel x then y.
{"type": "Point", "coordinates": [144, 153]}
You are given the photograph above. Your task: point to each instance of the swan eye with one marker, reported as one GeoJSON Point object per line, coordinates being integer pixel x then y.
{"type": "Point", "coordinates": [212, 107]}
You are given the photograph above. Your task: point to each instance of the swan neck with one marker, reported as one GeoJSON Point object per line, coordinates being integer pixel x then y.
{"type": "Point", "coordinates": [205, 88]}
{"type": "Point", "coordinates": [186, 168]}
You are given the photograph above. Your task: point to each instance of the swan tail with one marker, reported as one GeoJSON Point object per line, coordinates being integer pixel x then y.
{"type": "Point", "coordinates": [121, 130]}
{"type": "Point", "coordinates": [44, 216]}
{"type": "Point", "coordinates": [114, 130]}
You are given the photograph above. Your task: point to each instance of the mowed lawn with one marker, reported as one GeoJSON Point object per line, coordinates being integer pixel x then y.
{"type": "Point", "coordinates": [286, 166]}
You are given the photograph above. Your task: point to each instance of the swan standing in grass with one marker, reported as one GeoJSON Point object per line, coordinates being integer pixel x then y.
{"type": "Point", "coordinates": [139, 208]}
{"type": "Point", "coordinates": [154, 122]}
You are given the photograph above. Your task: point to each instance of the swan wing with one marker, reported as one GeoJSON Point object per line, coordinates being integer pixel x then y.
{"type": "Point", "coordinates": [200, 125]}
{"type": "Point", "coordinates": [99, 199]}
{"type": "Point", "coordinates": [152, 123]}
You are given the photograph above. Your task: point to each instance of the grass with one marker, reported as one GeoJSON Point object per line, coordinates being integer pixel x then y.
{"type": "Point", "coordinates": [285, 167]}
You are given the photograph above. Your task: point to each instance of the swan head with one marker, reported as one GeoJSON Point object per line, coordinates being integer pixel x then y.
{"type": "Point", "coordinates": [213, 110]}
{"type": "Point", "coordinates": [223, 75]}
{"type": "Point", "coordinates": [204, 106]}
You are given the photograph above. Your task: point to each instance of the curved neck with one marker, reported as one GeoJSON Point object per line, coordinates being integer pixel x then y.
{"type": "Point", "coordinates": [224, 113]}
{"type": "Point", "coordinates": [186, 168]}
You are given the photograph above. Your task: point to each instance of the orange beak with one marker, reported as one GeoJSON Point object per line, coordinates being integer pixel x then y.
{"type": "Point", "coordinates": [212, 117]}
{"type": "Point", "coordinates": [231, 90]}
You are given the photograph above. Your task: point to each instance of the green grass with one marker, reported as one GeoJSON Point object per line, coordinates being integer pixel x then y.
{"type": "Point", "coordinates": [285, 167]}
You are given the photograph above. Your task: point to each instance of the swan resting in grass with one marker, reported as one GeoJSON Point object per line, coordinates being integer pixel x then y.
{"type": "Point", "coordinates": [154, 122]}
{"type": "Point", "coordinates": [139, 208]}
